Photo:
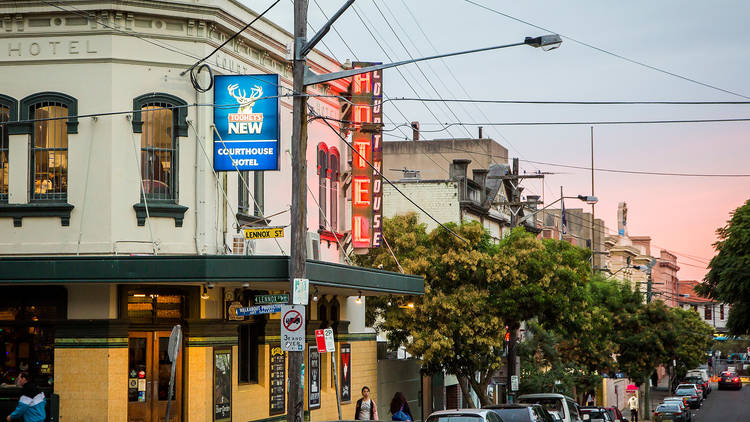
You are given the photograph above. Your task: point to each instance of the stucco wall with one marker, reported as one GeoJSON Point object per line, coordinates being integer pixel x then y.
{"type": "Point", "coordinates": [440, 199]}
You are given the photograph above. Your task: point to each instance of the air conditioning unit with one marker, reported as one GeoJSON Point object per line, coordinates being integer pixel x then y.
{"type": "Point", "coordinates": [313, 245]}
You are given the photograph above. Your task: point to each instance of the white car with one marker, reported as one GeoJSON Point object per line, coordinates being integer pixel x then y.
{"type": "Point", "coordinates": [565, 406]}
{"type": "Point", "coordinates": [464, 415]}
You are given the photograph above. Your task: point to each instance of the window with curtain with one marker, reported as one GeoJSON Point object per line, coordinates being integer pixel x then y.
{"type": "Point", "coordinates": [707, 312]}
{"type": "Point", "coordinates": [159, 152]}
{"type": "Point", "coordinates": [243, 193]}
{"type": "Point", "coordinates": [721, 312]}
{"type": "Point", "coordinates": [323, 172]}
{"type": "Point", "coordinates": [334, 164]}
{"type": "Point", "coordinates": [49, 152]}
{"type": "Point", "coordinates": [4, 117]}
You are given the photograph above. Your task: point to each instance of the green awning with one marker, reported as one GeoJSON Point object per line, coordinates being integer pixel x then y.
{"type": "Point", "coordinates": [270, 272]}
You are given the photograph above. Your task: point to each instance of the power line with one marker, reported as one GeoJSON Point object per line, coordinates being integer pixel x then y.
{"type": "Point", "coordinates": [568, 102]}
{"type": "Point", "coordinates": [236, 34]}
{"type": "Point", "coordinates": [588, 123]}
{"type": "Point", "coordinates": [619, 56]}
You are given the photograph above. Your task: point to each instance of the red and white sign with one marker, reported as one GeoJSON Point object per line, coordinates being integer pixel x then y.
{"type": "Point", "coordinates": [293, 328]}
{"type": "Point", "coordinates": [324, 340]}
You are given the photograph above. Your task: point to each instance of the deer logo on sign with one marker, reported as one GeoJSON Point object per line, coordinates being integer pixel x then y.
{"type": "Point", "coordinates": [246, 103]}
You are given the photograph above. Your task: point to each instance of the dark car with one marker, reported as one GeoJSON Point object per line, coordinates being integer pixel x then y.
{"type": "Point", "coordinates": [700, 382]}
{"type": "Point", "coordinates": [692, 394]}
{"type": "Point", "coordinates": [516, 412]}
{"type": "Point", "coordinates": [730, 380]}
{"type": "Point", "coordinates": [669, 412]}
{"type": "Point", "coordinates": [595, 414]}
{"type": "Point", "coordinates": [615, 414]}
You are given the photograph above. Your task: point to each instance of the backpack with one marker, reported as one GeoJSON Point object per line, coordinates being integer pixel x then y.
{"type": "Point", "coordinates": [400, 415]}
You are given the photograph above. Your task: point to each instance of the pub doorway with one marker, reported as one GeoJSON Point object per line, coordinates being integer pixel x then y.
{"type": "Point", "coordinates": [149, 370]}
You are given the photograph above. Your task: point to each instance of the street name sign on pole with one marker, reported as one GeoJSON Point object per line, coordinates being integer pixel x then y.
{"type": "Point", "coordinates": [271, 299]}
{"type": "Point", "coordinates": [264, 233]}
{"type": "Point", "coordinates": [301, 292]}
{"type": "Point", "coordinates": [292, 328]}
{"type": "Point", "coordinates": [259, 310]}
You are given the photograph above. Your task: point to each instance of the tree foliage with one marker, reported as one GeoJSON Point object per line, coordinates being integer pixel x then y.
{"type": "Point", "coordinates": [728, 278]}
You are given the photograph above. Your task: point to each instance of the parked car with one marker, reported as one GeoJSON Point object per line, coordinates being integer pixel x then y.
{"type": "Point", "coordinates": [615, 414]}
{"type": "Point", "coordinates": [518, 412]}
{"type": "Point", "coordinates": [556, 416]}
{"type": "Point", "coordinates": [564, 406]}
{"type": "Point", "coordinates": [595, 414]}
{"type": "Point", "coordinates": [464, 415]}
{"type": "Point", "coordinates": [669, 412]}
{"type": "Point", "coordinates": [697, 387]}
{"type": "Point", "coordinates": [730, 380]}
{"type": "Point", "coordinates": [683, 405]}
{"type": "Point", "coordinates": [691, 392]}
{"type": "Point", "coordinates": [698, 381]}
{"type": "Point", "coordinates": [703, 375]}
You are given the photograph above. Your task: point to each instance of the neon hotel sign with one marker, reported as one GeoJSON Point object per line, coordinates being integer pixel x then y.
{"type": "Point", "coordinates": [367, 139]}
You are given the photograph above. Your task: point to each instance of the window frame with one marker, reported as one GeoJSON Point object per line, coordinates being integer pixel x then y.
{"type": "Point", "coordinates": [707, 312]}
{"type": "Point", "coordinates": [322, 155]}
{"type": "Point", "coordinates": [28, 107]}
{"type": "Point", "coordinates": [334, 157]}
{"type": "Point", "coordinates": [5, 131]}
{"type": "Point", "coordinates": [173, 193]}
{"type": "Point", "coordinates": [243, 192]}
{"type": "Point", "coordinates": [247, 352]}
{"type": "Point", "coordinates": [721, 312]}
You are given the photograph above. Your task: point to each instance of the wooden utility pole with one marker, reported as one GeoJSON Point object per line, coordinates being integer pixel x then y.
{"type": "Point", "coordinates": [295, 399]}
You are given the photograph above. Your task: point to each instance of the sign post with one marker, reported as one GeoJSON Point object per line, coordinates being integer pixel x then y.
{"type": "Point", "coordinates": [292, 328]}
{"type": "Point", "coordinates": [325, 342]}
{"type": "Point", "coordinates": [173, 350]}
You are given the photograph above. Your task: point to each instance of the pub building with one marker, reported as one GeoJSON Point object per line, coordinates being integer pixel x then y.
{"type": "Point", "coordinates": [116, 228]}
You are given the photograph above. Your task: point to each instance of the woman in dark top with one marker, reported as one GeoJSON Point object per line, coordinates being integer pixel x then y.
{"type": "Point", "coordinates": [400, 408]}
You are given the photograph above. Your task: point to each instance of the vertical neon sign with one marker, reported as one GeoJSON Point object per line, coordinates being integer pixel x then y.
{"type": "Point", "coordinates": [367, 189]}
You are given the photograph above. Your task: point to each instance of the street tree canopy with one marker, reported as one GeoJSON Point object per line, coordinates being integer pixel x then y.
{"type": "Point", "coordinates": [728, 278]}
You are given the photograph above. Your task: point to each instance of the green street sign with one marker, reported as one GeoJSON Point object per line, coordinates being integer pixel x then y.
{"type": "Point", "coordinates": [271, 299]}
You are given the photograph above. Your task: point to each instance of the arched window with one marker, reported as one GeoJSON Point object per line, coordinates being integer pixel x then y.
{"type": "Point", "coordinates": [333, 174]}
{"type": "Point", "coordinates": [323, 172]}
{"type": "Point", "coordinates": [55, 117]}
{"type": "Point", "coordinates": [8, 113]}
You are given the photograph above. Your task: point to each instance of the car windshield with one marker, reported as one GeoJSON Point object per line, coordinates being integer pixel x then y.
{"type": "Point", "coordinates": [694, 380]}
{"type": "Point", "coordinates": [514, 415]}
{"type": "Point", "coordinates": [685, 391]}
{"type": "Point", "coordinates": [550, 404]}
{"type": "Point", "coordinates": [589, 414]}
{"type": "Point", "coordinates": [455, 418]}
{"type": "Point", "coordinates": [668, 408]}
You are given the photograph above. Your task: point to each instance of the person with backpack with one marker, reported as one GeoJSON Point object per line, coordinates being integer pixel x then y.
{"type": "Point", "coordinates": [366, 410]}
{"type": "Point", "coordinates": [400, 408]}
{"type": "Point", "coordinates": [31, 404]}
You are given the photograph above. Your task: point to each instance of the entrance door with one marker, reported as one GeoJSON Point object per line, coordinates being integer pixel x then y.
{"type": "Point", "coordinates": [149, 370]}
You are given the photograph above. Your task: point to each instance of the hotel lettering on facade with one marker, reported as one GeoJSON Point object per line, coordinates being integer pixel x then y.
{"type": "Point", "coordinates": [115, 228]}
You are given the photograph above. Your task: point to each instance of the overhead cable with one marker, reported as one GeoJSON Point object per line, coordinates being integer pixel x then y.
{"type": "Point", "coordinates": [619, 56]}
{"type": "Point", "coordinates": [568, 102]}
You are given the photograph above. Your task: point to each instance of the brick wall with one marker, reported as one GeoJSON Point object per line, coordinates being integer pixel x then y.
{"type": "Point", "coordinates": [439, 198]}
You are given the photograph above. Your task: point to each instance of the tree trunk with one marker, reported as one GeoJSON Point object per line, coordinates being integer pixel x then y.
{"type": "Point", "coordinates": [480, 388]}
{"type": "Point", "coordinates": [463, 382]}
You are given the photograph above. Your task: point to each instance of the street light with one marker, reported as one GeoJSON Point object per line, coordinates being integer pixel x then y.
{"type": "Point", "coordinates": [591, 200]}
{"type": "Point", "coordinates": [546, 42]}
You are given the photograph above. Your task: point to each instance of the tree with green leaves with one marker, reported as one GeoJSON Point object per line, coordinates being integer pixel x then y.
{"type": "Point", "coordinates": [728, 278]}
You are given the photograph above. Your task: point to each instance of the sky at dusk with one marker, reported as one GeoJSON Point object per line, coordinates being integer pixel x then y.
{"type": "Point", "coordinates": [704, 41]}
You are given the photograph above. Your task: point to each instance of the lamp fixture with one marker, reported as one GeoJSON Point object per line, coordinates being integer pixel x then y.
{"type": "Point", "coordinates": [210, 285]}
{"type": "Point", "coordinates": [315, 295]}
{"type": "Point", "coordinates": [359, 298]}
{"type": "Point", "coordinates": [204, 293]}
{"type": "Point", "coordinates": [246, 284]}
{"type": "Point", "coordinates": [390, 300]}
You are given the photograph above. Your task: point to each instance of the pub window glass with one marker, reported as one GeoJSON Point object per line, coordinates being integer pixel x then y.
{"type": "Point", "coordinates": [49, 152]}
{"type": "Point", "coordinates": [159, 152]}
{"type": "Point", "coordinates": [149, 307]}
{"type": "Point", "coordinates": [333, 217]}
{"type": "Point", "coordinates": [248, 349]}
{"type": "Point", "coordinates": [322, 176]}
{"type": "Point", "coordinates": [4, 117]}
{"type": "Point", "coordinates": [243, 192]}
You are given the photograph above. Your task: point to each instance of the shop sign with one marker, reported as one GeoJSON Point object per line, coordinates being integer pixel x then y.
{"type": "Point", "coordinates": [314, 380]}
{"type": "Point", "coordinates": [264, 233]}
{"type": "Point", "coordinates": [367, 139]}
{"type": "Point", "coordinates": [346, 373]}
{"type": "Point", "coordinates": [222, 385]}
{"type": "Point", "coordinates": [293, 328]}
{"type": "Point", "coordinates": [277, 390]}
{"type": "Point", "coordinates": [271, 299]}
{"type": "Point", "coordinates": [258, 310]}
{"type": "Point", "coordinates": [246, 117]}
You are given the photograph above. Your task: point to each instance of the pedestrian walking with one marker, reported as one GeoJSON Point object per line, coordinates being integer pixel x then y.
{"type": "Point", "coordinates": [589, 400]}
{"type": "Point", "coordinates": [367, 410]}
{"type": "Point", "coordinates": [400, 408]}
{"type": "Point", "coordinates": [633, 405]}
{"type": "Point", "coordinates": [31, 404]}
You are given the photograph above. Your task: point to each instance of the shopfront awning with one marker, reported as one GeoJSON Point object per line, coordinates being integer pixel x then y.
{"type": "Point", "coordinates": [263, 272]}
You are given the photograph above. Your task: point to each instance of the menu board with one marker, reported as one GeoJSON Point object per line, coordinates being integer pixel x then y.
{"type": "Point", "coordinates": [277, 392]}
{"type": "Point", "coordinates": [314, 380]}
{"type": "Point", "coordinates": [222, 385]}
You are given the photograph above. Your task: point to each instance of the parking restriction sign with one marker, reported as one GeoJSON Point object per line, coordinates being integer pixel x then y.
{"type": "Point", "coordinates": [293, 328]}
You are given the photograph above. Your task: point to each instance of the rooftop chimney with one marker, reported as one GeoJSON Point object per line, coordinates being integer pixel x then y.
{"type": "Point", "coordinates": [415, 130]}
{"type": "Point", "coordinates": [480, 132]}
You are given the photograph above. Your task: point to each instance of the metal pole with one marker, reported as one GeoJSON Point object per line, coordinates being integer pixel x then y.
{"type": "Point", "coordinates": [336, 382]}
{"type": "Point", "coordinates": [295, 405]}
{"type": "Point", "coordinates": [561, 213]}
{"type": "Point", "coordinates": [593, 220]}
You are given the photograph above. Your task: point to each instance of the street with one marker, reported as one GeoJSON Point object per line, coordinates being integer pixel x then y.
{"type": "Point", "coordinates": [725, 406]}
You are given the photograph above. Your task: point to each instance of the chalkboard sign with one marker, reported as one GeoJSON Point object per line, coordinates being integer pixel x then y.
{"type": "Point", "coordinates": [222, 385]}
{"type": "Point", "coordinates": [314, 381]}
{"type": "Point", "coordinates": [277, 392]}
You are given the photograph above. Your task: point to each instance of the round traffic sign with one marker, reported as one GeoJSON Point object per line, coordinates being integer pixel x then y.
{"type": "Point", "coordinates": [292, 320]}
